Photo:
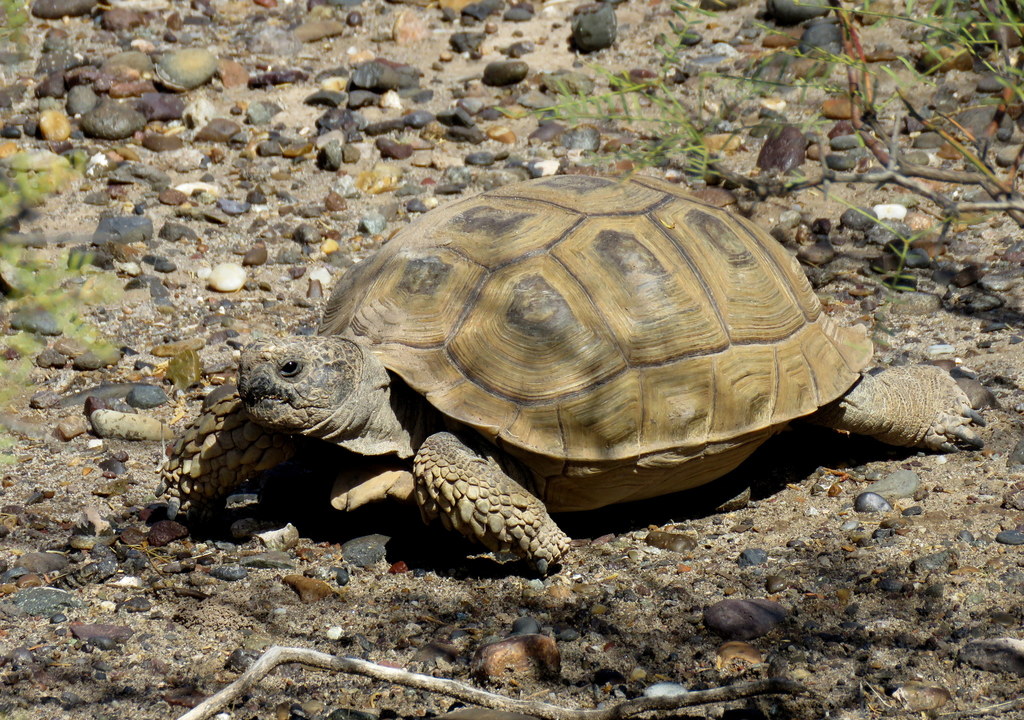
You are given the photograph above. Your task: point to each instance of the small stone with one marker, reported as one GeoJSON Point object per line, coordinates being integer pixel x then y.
{"type": "Point", "coordinates": [935, 562]}
{"type": "Point", "coordinates": [226, 277]}
{"type": "Point", "coordinates": [161, 106]}
{"type": "Point", "coordinates": [43, 601]}
{"type": "Point", "coordinates": [784, 149]}
{"type": "Point", "coordinates": [112, 120]}
{"type": "Point", "coordinates": [915, 303]}
{"type": "Point", "coordinates": [80, 100]}
{"type": "Point", "coordinates": [128, 426]}
{"type": "Point", "coordinates": [95, 631]}
{"type": "Point", "coordinates": [890, 211]}
{"type": "Point", "coordinates": [1010, 537]}
{"type": "Point", "coordinates": [54, 125]}
{"type": "Point", "coordinates": [676, 542]}
{"type": "Point", "coordinates": [502, 134]}
{"type": "Point", "coordinates": [229, 573]}
{"type": "Point", "coordinates": [520, 656]}
{"type": "Point", "coordinates": [372, 223]}
{"type": "Point", "coordinates": [56, 9]}
{"type": "Point", "coordinates": [752, 556]}
{"type": "Point", "coordinates": [409, 28]}
{"type": "Point", "coordinates": [793, 12]}
{"type": "Point", "coordinates": [309, 590]}
{"type": "Point", "coordinates": [158, 142]}
{"type": "Point", "coordinates": [665, 689]}
{"type": "Point", "coordinates": [270, 560]}
{"type": "Point", "coordinates": [366, 550]}
{"type": "Point", "coordinates": [187, 68]}
{"type": "Point", "coordinates": [1001, 655]}
{"type": "Point", "coordinates": [525, 626]}
{"type": "Point", "coordinates": [318, 30]}
{"type": "Point", "coordinates": [255, 256]}
{"type": "Point", "coordinates": [164, 532]}
{"type": "Point", "coordinates": [42, 562]}
{"type": "Point", "coordinates": [35, 320]}
{"type": "Point", "coordinates": [584, 137]}
{"type": "Point", "coordinates": [261, 113]}
{"type": "Point", "coordinates": [837, 108]}
{"type": "Point", "coordinates": [501, 73]}
{"type": "Point", "coordinates": [859, 219]}
{"type": "Point", "coordinates": [123, 229]}
{"type": "Point", "coordinates": [896, 485]}
{"type": "Point", "coordinates": [232, 74]}
{"type": "Point", "coordinates": [594, 27]}
{"type": "Point", "coordinates": [391, 150]}
{"type": "Point", "coordinates": [218, 130]}
{"type": "Point", "coordinates": [823, 38]}
{"type": "Point", "coordinates": [279, 539]}
{"type": "Point", "coordinates": [869, 502]}
{"type": "Point", "coordinates": [146, 397]}
{"type": "Point", "coordinates": [919, 697]}
{"type": "Point", "coordinates": [736, 619]}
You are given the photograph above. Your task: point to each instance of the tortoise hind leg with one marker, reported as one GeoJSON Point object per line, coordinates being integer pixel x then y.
{"type": "Point", "coordinates": [471, 492]}
{"type": "Point", "coordinates": [916, 406]}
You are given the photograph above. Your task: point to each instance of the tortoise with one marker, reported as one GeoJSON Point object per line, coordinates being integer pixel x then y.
{"type": "Point", "coordinates": [559, 344]}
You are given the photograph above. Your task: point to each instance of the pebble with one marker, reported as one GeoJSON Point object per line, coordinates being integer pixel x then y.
{"type": "Point", "coordinates": [56, 9]}
{"type": "Point", "coordinates": [676, 542]}
{"type": "Point", "coordinates": [585, 138]}
{"type": "Point", "coordinates": [821, 38]}
{"type": "Point", "coordinates": [226, 277]}
{"type": "Point", "coordinates": [793, 12]}
{"type": "Point", "coordinates": [218, 130]}
{"type": "Point", "coordinates": [372, 223]}
{"type": "Point", "coordinates": [161, 106]}
{"type": "Point", "coordinates": [36, 320]}
{"type": "Point", "coordinates": [42, 562]}
{"type": "Point", "coordinates": [752, 556]}
{"type": "Point", "coordinates": [594, 27]}
{"type": "Point", "coordinates": [270, 560]}
{"type": "Point", "coordinates": [80, 100]}
{"type": "Point", "coordinates": [318, 30]}
{"type": "Point", "coordinates": [145, 397]}
{"type": "Point", "coordinates": [919, 697]}
{"type": "Point", "coordinates": [44, 601]}
{"type": "Point", "coordinates": [164, 532]}
{"type": "Point", "coordinates": [890, 211]}
{"type": "Point", "coordinates": [309, 590]}
{"type": "Point", "coordinates": [366, 550]}
{"type": "Point", "coordinates": [525, 626]}
{"type": "Point", "coordinates": [229, 573]}
{"type": "Point", "coordinates": [255, 256]}
{"type": "Point", "coordinates": [999, 655]}
{"type": "Point", "coordinates": [187, 68]}
{"type": "Point", "coordinates": [859, 219]}
{"type": "Point", "coordinates": [502, 73]}
{"type": "Point", "coordinates": [126, 229]}
{"type": "Point", "coordinates": [665, 689]}
{"type": "Point", "coordinates": [737, 619]}
{"type": "Point", "coordinates": [896, 485]}
{"type": "Point", "coordinates": [869, 502]}
{"type": "Point", "coordinates": [112, 120]}
{"type": "Point", "coordinates": [935, 562]}
{"type": "Point", "coordinates": [737, 655]}
{"type": "Point", "coordinates": [784, 149]}
{"type": "Point", "coordinates": [1010, 537]}
{"type": "Point", "coordinates": [409, 28]}
{"type": "Point", "coordinates": [95, 631]}
{"type": "Point", "coordinates": [520, 656]}
{"type": "Point", "coordinates": [54, 126]}
{"type": "Point", "coordinates": [392, 150]}
{"type": "Point", "coordinates": [128, 426]}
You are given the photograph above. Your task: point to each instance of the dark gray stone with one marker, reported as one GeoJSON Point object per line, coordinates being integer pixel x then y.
{"type": "Point", "coordinates": [752, 556]}
{"type": "Point", "coordinates": [35, 320]}
{"type": "Point", "coordinates": [784, 148]}
{"type": "Point", "coordinates": [935, 562]}
{"type": "Point", "coordinates": [43, 601]}
{"type": "Point", "coordinates": [123, 229]}
{"type": "Point", "coordinates": [42, 562]}
{"type": "Point", "coordinates": [1010, 537]}
{"type": "Point", "coordinates": [896, 485]}
{"type": "Point", "coordinates": [56, 9]}
{"type": "Point", "coordinates": [366, 550]}
{"type": "Point", "coordinates": [822, 38]}
{"type": "Point", "coordinates": [229, 573]}
{"type": "Point", "coordinates": [80, 100]}
{"type": "Point", "coordinates": [501, 73]}
{"type": "Point", "coordinates": [584, 137]}
{"type": "Point", "coordinates": [859, 219]}
{"type": "Point", "coordinates": [111, 120]}
{"type": "Point", "coordinates": [792, 12]}
{"type": "Point", "coordinates": [594, 27]}
{"type": "Point", "coordinates": [736, 619]}
{"type": "Point", "coordinates": [869, 502]}
{"type": "Point", "coordinates": [145, 397]}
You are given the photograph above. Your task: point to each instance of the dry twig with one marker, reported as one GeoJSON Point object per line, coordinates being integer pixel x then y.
{"type": "Point", "coordinates": [280, 655]}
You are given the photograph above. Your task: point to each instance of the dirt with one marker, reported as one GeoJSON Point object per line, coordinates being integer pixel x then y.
{"type": "Point", "coordinates": [868, 609]}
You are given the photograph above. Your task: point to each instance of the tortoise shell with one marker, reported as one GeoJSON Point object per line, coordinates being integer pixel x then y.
{"type": "Point", "coordinates": [603, 331]}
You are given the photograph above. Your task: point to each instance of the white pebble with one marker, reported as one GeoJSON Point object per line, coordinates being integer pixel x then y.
{"type": "Point", "coordinates": [890, 211]}
{"type": "Point", "coordinates": [547, 167]}
{"type": "Point", "coordinates": [226, 277]}
{"type": "Point", "coordinates": [665, 689]}
{"type": "Point", "coordinates": [390, 101]}
{"type": "Point", "coordinates": [321, 274]}
{"type": "Point", "coordinates": [940, 350]}
{"type": "Point", "coordinates": [335, 632]}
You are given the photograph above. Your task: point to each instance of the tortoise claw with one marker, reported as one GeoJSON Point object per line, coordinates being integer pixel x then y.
{"type": "Point", "coordinates": [967, 437]}
{"type": "Point", "coordinates": [975, 417]}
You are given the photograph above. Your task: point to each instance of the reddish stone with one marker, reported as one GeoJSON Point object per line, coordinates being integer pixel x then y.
{"type": "Point", "coordinates": [532, 655]}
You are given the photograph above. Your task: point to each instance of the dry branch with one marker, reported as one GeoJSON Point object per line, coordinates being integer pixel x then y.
{"type": "Point", "coordinates": [280, 655]}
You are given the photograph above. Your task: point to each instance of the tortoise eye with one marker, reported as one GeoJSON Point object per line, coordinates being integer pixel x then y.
{"type": "Point", "coordinates": [290, 368]}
